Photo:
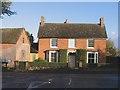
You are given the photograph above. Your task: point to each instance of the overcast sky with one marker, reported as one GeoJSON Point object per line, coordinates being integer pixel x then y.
{"type": "Point", "coordinates": [29, 15]}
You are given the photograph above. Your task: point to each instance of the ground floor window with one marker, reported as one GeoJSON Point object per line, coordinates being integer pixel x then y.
{"type": "Point", "coordinates": [92, 57]}
{"type": "Point", "coordinates": [52, 56]}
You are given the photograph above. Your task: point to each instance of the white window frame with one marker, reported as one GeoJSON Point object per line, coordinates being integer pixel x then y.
{"type": "Point", "coordinates": [50, 55]}
{"type": "Point", "coordinates": [69, 46]}
{"type": "Point", "coordinates": [94, 56]}
{"type": "Point", "coordinates": [51, 43]}
{"type": "Point", "coordinates": [88, 43]}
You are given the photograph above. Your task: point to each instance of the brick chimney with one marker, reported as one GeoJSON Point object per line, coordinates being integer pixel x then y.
{"type": "Point", "coordinates": [66, 21]}
{"type": "Point", "coordinates": [42, 21]}
{"type": "Point", "coordinates": [102, 22]}
{"type": "Point", "coordinates": [31, 39]}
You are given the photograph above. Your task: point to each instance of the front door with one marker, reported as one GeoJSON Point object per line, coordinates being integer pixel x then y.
{"type": "Point", "coordinates": [72, 60]}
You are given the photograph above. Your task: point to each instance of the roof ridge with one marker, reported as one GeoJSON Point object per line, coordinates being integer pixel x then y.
{"type": "Point", "coordinates": [10, 28]}
{"type": "Point", "coordinates": [76, 23]}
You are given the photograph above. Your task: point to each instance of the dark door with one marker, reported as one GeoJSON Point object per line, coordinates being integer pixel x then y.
{"type": "Point", "coordinates": [72, 60]}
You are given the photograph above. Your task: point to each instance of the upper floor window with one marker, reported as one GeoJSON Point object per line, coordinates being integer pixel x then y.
{"type": "Point", "coordinates": [90, 43]}
{"type": "Point", "coordinates": [54, 43]}
{"type": "Point", "coordinates": [23, 40]}
{"type": "Point", "coordinates": [72, 43]}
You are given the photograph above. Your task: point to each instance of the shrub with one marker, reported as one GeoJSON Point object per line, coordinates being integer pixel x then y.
{"type": "Point", "coordinates": [53, 64]}
{"type": "Point", "coordinates": [102, 64]}
{"type": "Point", "coordinates": [62, 65]}
{"type": "Point", "coordinates": [43, 63]}
{"type": "Point", "coordinates": [22, 65]}
{"type": "Point", "coordinates": [57, 64]}
{"type": "Point", "coordinates": [38, 63]}
{"type": "Point", "coordinates": [81, 56]}
{"type": "Point", "coordinates": [63, 55]}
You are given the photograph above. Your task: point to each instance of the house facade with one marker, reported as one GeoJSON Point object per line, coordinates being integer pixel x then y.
{"type": "Point", "coordinates": [72, 36]}
{"type": "Point", "coordinates": [15, 46]}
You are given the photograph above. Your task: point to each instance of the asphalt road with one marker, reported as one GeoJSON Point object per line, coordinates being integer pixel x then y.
{"type": "Point", "coordinates": [50, 80]}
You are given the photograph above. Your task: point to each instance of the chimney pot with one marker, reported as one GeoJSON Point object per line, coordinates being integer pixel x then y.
{"type": "Point", "coordinates": [66, 21]}
{"type": "Point", "coordinates": [42, 21]}
{"type": "Point", "coordinates": [102, 21]}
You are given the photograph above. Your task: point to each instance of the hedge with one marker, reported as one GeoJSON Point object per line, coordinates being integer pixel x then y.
{"type": "Point", "coordinates": [43, 63]}
{"type": "Point", "coordinates": [22, 65]}
{"type": "Point", "coordinates": [63, 55]}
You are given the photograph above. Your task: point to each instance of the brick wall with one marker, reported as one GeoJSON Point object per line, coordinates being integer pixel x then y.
{"type": "Point", "coordinates": [23, 47]}
{"type": "Point", "coordinates": [100, 44]}
{"type": "Point", "coordinates": [8, 52]}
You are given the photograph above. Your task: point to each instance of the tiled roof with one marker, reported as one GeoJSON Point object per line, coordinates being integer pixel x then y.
{"type": "Point", "coordinates": [10, 35]}
{"type": "Point", "coordinates": [64, 30]}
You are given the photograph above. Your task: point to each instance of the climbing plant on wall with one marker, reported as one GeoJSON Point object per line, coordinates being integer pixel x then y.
{"type": "Point", "coordinates": [63, 55]}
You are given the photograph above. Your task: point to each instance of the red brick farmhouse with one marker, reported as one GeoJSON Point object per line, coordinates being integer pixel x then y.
{"type": "Point", "coordinates": [72, 36]}
{"type": "Point", "coordinates": [15, 46]}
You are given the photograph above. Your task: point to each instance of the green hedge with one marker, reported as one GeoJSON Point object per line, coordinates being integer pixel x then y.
{"type": "Point", "coordinates": [63, 55]}
{"type": "Point", "coordinates": [43, 63]}
{"type": "Point", "coordinates": [38, 63]}
{"type": "Point", "coordinates": [22, 65]}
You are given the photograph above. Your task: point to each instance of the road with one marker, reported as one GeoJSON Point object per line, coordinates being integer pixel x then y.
{"type": "Point", "coordinates": [32, 80]}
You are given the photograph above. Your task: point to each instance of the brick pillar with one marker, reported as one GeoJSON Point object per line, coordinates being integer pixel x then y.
{"type": "Point", "coordinates": [80, 64]}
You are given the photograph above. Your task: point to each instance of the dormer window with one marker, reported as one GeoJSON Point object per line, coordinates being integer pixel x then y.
{"type": "Point", "coordinates": [54, 43]}
{"type": "Point", "coordinates": [90, 43]}
{"type": "Point", "coordinates": [23, 40]}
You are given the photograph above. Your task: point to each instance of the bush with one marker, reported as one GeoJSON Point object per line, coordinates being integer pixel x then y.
{"type": "Point", "coordinates": [81, 56]}
{"type": "Point", "coordinates": [102, 64]}
{"type": "Point", "coordinates": [22, 65]}
{"type": "Point", "coordinates": [63, 55]}
{"type": "Point", "coordinates": [38, 63]}
{"type": "Point", "coordinates": [43, 63]}
{"type": "Point", "coordinates": [62, 65]}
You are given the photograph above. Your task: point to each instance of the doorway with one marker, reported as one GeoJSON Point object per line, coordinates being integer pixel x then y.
{"type": "Point", "coordinates": [72, 59]}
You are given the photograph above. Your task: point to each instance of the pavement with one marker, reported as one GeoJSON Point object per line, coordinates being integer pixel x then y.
{"type": "Point", "coordinates": [31, 80]}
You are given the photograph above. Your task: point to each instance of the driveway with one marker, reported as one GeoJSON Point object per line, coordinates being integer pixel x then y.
{"type": "Point", "coordinates": [32, 80]}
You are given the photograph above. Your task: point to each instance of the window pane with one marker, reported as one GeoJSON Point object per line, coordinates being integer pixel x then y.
{"type": "Point", "coordinates": [90, 43]}
{"type": "Point", "coordinates": [92, 60]}
{"type": "Point", "coordinates": [54, 42]}
{"type": "Point", "coordinates": [72, 43]}
{"type": "Point", "coordinates": [91, 57]}
{"type": "Point", "coordinates": [53, 57]}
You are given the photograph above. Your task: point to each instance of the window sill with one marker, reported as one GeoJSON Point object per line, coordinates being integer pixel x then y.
{"type": "Point", "coordinates": [90, 48]}
{"type": "Point", "coordinates": [71, 47]}
{"type": "Point", "coordinates": [53, 47]}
